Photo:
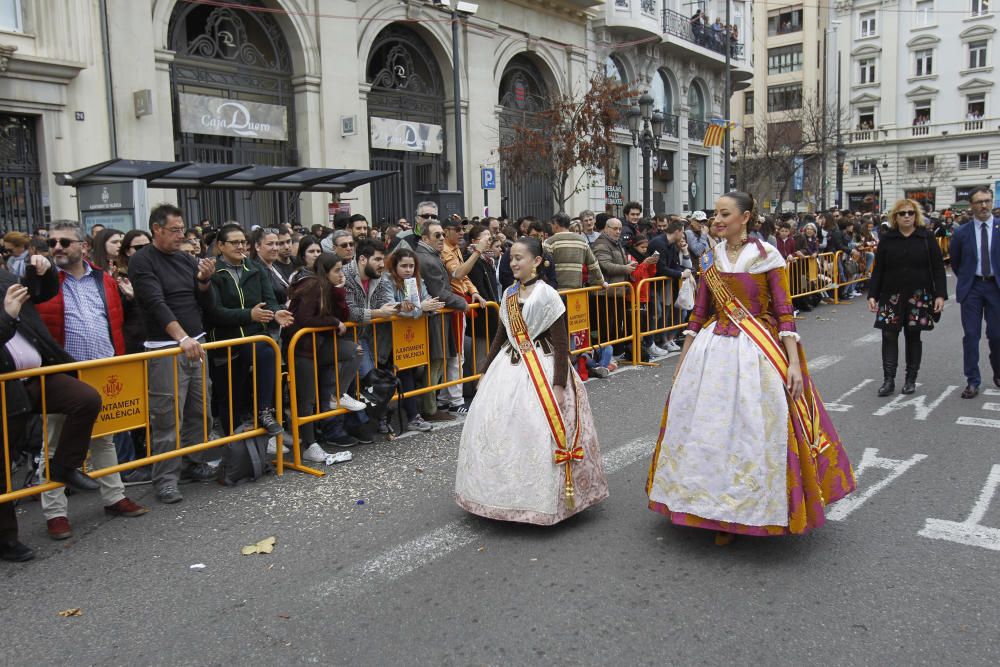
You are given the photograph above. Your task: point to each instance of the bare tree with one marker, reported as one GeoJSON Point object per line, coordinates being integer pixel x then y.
{"type": "Point", "coordinates": [924, 173]}
{"type": "Point", "coordinates": [806, 136]}
{"type": "Point", "coordinates": [571, 134]}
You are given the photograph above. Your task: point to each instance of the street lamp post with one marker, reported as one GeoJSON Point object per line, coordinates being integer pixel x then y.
{"type": "Point", "coordinates": [646, 126]}
{"type": "Point", "coordinates": [880, 192]}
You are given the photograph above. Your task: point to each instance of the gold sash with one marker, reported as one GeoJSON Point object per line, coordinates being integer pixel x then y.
{"type": "Point", "coordinates": [805, 410]}
{"type": "Point", "coordinates": [564, 454]}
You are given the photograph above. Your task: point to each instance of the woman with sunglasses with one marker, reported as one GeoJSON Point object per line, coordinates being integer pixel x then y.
{"type": "Point", "coordinates": [906, 292]}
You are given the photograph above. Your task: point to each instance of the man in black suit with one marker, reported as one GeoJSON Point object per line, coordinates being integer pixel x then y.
{"type": "Point", "coordinates": [26, 343]}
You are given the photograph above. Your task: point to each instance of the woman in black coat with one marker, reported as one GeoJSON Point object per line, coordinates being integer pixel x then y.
{"type": "Point", "coordinates": [907, 291]}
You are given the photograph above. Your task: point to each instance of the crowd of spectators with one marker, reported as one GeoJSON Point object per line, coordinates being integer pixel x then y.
{"type": "Point", "coordinates": [72, 294]}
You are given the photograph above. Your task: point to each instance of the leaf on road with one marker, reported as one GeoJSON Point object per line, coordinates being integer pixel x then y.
{"type": "Point", "coordinates": [75, 611]}
{"type": "Point", "coordinates": [265, 546]}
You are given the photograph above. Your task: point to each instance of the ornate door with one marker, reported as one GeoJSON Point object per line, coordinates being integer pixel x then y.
{"type": "Point", "coordinates": [522, 95]}
{"type": "Point", "coordinates": [20, 179]}
{"type": "Point", "coordinates": [230, 53]}
{"type": "Point", "coordinates": [406, 85]}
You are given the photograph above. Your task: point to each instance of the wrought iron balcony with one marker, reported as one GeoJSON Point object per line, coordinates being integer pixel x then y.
{"type": "Point", "coordinates": [679, 25]}
{"type": "Point", "coordinates": [696, 129]}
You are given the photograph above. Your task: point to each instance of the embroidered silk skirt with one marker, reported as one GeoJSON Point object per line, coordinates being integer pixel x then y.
{"type": "Point", "coordinates": [730, 458]}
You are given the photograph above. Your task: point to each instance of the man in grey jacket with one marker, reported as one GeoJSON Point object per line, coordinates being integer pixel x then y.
{"type": "Point", "coordinates": [436, 279]}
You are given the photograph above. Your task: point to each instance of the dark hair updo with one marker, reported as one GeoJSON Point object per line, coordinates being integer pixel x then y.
{"type": "Point", "coordinates": [532, 245]}
{"type": "Point", "coordinates": [745, 203]}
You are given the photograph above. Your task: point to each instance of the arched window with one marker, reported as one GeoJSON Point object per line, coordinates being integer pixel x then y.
{"type": "Point", "coordinates": [696, 102]}
{"type": "Point", "coordinates": [614, 70]}
{"type": "Point", "coordinates": [663, 98]}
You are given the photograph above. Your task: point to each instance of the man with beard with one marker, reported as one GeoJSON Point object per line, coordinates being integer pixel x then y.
{"type": "Point", "coordinates": [86, 318]}
{"type": "Point", "coordinates": [286, 264]}
{"type": "Point", "coordinates": [366, 285]}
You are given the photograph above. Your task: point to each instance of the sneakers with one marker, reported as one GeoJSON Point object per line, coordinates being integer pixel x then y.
{"type": "Point", "coordinates": [462, 409]}
{"type": "Point", "coordinates": [344, 440]}
{"type": "Point", "coordinates": [418, 423]}
{"type": "Point", "coordinates": [137, 476]}
{"type": "Point", "coordinates": [59, 528]}
{"type": "Point", "coordinates": [362, 434]}
{"type": "Point", "coordinates": [351, 403]}
{"type": "Point", "coordinates": [384, 427]}
{"type": "Point", "coordinates": [15, 552]}
{"type": "Point", "coordinates": [168, 495]}
{"type": "Point", "coordinates": [440, 416]}
{"type": "Point", "coordinates": [267, 421]}
{"type": "Point", "coordinates": [314, 453]}
{"type": "Point", "coordinates": [125, 507]}
{"type": "Point", "coordinates": [199, 472]}
{"type": "Point", "coordinates": [599, 371]}
{"type": "Point", "coordinates": [656, 351]}
{"type": "Point", "coordinates": [272, 447]}
{"type": "Point", "coordinates": [672, 346]}
{"type": "Point", "coordinates": [612, 367]}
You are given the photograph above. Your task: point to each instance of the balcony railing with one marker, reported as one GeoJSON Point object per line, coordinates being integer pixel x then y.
{"type": "Point", "coordinates": [920, 130]}
{"type": "Point", "coordinates": [672, 125]}
{"type": "Point", "coordinates": [678, 25]}
{"type": "Point", "coordinates": [696, 129]}
{"type": "Point", "coordinates": [861, 135]}
{"type": "Point", "coordinates": [973, 125]}
{"type": "Point", "coordinates": [923, 131]}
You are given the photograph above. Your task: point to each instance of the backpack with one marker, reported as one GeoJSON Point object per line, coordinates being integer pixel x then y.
{"type": "Point", "coordinates": [378, 388]}
{"type": "Point", "coordinates": [244, 460]}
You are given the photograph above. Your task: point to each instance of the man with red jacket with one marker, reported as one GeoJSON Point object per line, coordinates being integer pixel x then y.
{"type": "Point", "coordinates": [86, 318]}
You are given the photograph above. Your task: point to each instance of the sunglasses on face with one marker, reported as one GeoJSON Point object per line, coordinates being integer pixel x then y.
{"type": "Point", "coordinates": [136, 246]}
{"type": "Point", "coordinates": [428, 216]}
{"type": "Point", "coordinates": [64, 243]}
{"type": "Point", "coordinates": [345, 245]}
{"type": "Point", "coordinates": [437, 235]}
{"type": "Point", "coordinates": [907, 213]}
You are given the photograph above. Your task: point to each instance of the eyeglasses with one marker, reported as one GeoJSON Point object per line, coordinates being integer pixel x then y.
{"type": "Point", "coordinates": [236, 243]}
{"type": "Point", "coordinates": [270, 230]}
{"type": "Point", "coordinates": [65, 243]}
{"type": "Point", "coordinates": [173, 230]}
{"type": "Point", "coordinates": [981, 202]}
{"type": "Point", "coordinates": [906, 213]}
{"type": "Point", "coordinates": [428, 216]}
{"type": "Point", "coordinates": [349, 244]}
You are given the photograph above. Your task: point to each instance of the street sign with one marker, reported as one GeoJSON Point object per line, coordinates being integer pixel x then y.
{"type": "Point", "coordinates": [489, 177]}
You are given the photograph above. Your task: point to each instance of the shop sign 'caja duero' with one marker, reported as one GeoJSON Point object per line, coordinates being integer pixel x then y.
{"type": "Point", "coordinates": [200, 114]}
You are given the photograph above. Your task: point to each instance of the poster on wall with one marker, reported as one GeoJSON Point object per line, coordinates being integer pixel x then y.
{"type": "Point", "coordinates": [393, 134]}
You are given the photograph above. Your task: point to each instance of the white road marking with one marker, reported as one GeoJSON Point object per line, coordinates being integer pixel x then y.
{"type": "Point", "coordinates": [991, 392]}
{"type": "Point", "coordinates": [824, 361]}
{"type": "Point", "coordinates": [978, 421]}
{"type": "Point", "coordinates": [970, 532]}
{"type": "Point", "coordinates": [873, 337]}
{"type": "Point", "coordinates": [871, 459]}
{"type": "Point", "coordinates": [919, 404]}
{"type": "Point", "coordinates": [838, 405]}
{"type": "Point", "coordinates": [410, 556]}
{"type": "Point", "coordinates": [993, 407]}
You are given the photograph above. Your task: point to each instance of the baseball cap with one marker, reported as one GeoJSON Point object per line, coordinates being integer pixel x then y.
{"type": "Point", "coordinates": [699, 216]}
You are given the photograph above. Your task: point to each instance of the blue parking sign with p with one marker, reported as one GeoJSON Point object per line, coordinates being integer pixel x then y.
{"type": "Point", "coordinates": [489, 179]}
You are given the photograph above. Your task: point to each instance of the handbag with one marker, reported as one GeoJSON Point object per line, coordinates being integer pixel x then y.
{"type": "Point", "coordinates": [685, 296]}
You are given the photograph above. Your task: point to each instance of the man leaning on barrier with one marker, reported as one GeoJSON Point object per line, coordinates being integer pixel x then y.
{"type": "Point", "coordinates": [174, 291]}
{"type": "Point", "coordinates": [86, 318]}
{"type": "Point", "coordinates": [26, 344]}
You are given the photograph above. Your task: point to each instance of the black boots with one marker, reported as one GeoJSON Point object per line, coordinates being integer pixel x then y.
{"type": "Point", "coordinates": [914, 351]}
{"type": "Point", "coordinates": [890, 362]}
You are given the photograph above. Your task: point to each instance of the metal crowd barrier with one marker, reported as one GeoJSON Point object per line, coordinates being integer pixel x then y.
{"type": "Point", "coordinates": [122, 383]}
{"type": "Point", "coordinates": [944, 243]}
{"type": "Point", "coordinates": [813, 275]}
{"type": "Point", "coordinates": [656, 313]}
{"type": "Point", "coordinates": [598, 317]}
{"type": "Point", "coordinates": [409, 347]}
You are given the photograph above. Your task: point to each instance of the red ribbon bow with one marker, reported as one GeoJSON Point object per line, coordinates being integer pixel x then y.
{"type": "Point", "coordinates": [565, 455]}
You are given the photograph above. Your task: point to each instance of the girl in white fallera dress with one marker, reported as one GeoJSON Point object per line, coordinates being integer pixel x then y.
{"type": "Point", "coordinates": [529, 450]}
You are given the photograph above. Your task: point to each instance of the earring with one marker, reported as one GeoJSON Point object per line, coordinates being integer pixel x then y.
{"type": "Point", "coordinates": [743, 236]}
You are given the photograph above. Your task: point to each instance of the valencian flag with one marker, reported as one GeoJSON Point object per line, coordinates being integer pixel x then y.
{"type": "Point", "coordinates": [715, 134]}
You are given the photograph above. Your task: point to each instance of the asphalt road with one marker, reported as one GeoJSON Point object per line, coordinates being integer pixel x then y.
{"type": "Point", "coordinates": [375, 565]}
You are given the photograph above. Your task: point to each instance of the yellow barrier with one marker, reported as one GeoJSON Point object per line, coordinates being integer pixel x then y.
{"type": "Point", "coordinates": [106, 376]}
{"type": "Point", "coordinates": [944, 242]}
{"type": "Point", "coordinates": [813, 275]}
{"type": "Point", "coordinates": [611, 320]}
{"type": "Point", "coordinates": [659, 314]}
{"type": "Point", "coordinates": [863, 272]}
{"type": "Point", "coordinates": [413, 351]}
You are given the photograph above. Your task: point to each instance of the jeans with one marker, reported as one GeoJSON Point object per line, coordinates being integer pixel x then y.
{"type": "Point", "coordinates": [102, 455]}
{"type": "Point", "coordinates": [242, 395]}
{"type": "Point", "coordinates": [162, 420]}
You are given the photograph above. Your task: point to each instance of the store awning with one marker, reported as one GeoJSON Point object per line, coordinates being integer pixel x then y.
{"type": "Point", "coordinates": [197, 175]}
